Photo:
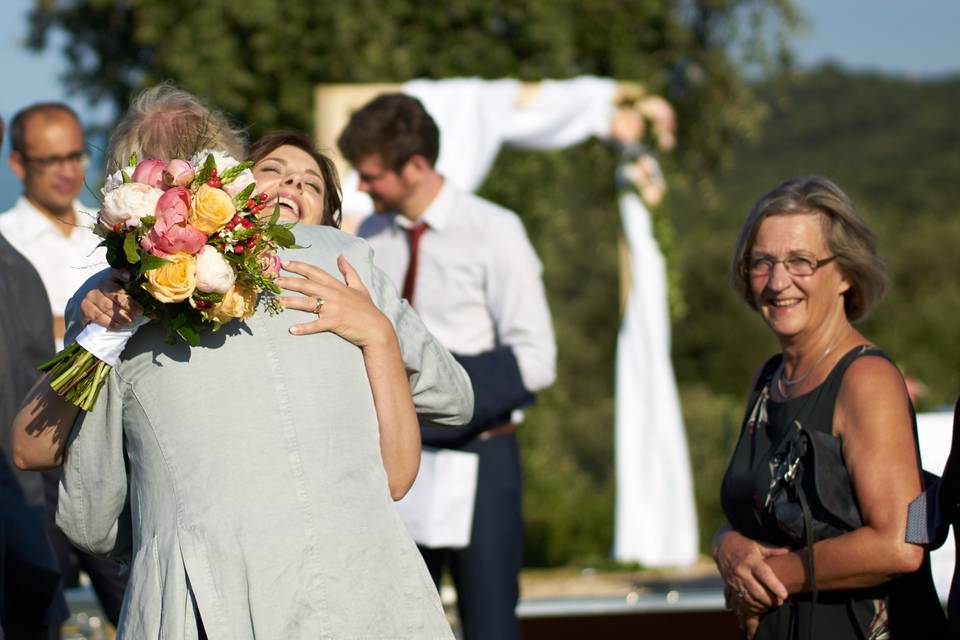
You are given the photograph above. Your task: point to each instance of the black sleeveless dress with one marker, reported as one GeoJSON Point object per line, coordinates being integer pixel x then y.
{"type": "Point", "coordinates": [906, 607]}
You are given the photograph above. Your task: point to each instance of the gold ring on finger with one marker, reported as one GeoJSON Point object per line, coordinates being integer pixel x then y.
{"type": "Point", "coordinates": [320, 302]}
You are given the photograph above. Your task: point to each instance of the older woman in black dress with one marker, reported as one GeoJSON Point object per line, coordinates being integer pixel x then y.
{"type": "Point", "coordinates": [808, 264]}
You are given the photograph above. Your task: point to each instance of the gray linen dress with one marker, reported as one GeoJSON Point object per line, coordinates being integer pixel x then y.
{"type": "Point", "coordinates": [257, 493]}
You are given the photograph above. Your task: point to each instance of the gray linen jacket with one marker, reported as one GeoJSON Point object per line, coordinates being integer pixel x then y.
{"type": "Point", "coordinates": [257, 493]}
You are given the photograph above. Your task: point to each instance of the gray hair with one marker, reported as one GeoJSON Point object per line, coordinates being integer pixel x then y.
{"type": "Point", "coordinates": [848, 237]}
{"type": "Point", "coordinates": [165, 122]}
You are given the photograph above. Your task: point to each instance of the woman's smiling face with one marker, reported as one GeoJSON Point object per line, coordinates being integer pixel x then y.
{"type": "Point", "coordinates": [291, 178]}
{"type": "Point", "coordinates": [793, 305]}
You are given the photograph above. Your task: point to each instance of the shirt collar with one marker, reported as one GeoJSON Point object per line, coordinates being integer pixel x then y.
{"type": "Point", "coordinates": [32, 224]}
{"type": "Point", "coordinates": [437, 214]}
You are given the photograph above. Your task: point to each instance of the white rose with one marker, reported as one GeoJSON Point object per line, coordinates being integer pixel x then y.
{"type": "Point", "coordinates": [239, 183]}
{"type": "Point", "coordinates": [214, 273]}
{"type": "Point", "coordinates": [128, 203]}
{"type": "Point", "coordinates": [115, 179]}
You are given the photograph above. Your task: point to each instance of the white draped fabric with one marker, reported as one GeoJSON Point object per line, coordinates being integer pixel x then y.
{"type": "Point", "coordinates": [476, 117]}
{"type": "Point", "coordinates": [656, 521]}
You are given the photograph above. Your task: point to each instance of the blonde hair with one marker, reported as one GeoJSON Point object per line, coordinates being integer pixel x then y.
{"type": "Point", "coordinates": [166, 122]}
{"type": "Point", "coordinates": [848, 236]}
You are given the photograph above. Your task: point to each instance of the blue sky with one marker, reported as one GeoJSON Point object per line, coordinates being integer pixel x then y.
{"type": "Point", "coordinates": [913, 37]}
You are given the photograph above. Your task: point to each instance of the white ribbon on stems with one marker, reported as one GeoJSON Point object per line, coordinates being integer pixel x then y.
{"type": "Point", "coordinates": [108, 344]}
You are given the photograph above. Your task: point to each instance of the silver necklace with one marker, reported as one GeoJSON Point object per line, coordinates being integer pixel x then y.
{"type": "Point", "coordinates": [782, 379]}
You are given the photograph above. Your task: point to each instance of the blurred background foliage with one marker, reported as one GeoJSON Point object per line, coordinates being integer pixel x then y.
{"type": "Point", "coordinates": [746, 122]}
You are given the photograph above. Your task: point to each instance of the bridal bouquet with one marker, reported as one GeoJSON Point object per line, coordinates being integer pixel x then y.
{"type": "Point", "coordinates": [199, 255]}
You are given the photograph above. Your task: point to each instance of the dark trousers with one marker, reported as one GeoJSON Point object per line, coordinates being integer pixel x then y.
{"type": "Point", "coordinates": [108, 578]}
{"type": "Point", "coordinates": [486, 572]}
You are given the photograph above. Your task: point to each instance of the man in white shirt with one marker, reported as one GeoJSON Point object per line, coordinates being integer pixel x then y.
{"type": "Point", "coordinates": [468, 268]}
{"type": "Point", "coordinates": [48, 154]}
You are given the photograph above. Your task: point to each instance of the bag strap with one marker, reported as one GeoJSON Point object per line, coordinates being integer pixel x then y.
{"type": "Point", "coordinates": [763, 379]}
{"type": "Point", "coordinates": [811, 563]}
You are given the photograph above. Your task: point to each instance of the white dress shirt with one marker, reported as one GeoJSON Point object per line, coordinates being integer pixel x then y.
{"type": "Point", "coordinates": [478, 283]}
{"type": "Point", "coordinates": [64, 263]}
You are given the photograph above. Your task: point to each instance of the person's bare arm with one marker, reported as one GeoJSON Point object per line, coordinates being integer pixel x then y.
{"type": "Point", "coordinates": [349, 312]}
{"type": "Point", "coordinates": [44, 422]}
{"type": "Point", "coordinates": [41, 428]}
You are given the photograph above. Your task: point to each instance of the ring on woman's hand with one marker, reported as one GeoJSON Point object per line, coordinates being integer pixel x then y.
{"type": "Point", "coordinates": [742, 594]}
{"type": "Point", "coordinates": [320, 302]}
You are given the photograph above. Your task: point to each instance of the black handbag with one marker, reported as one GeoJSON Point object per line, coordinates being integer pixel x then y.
{"type": "Point", "coordinates": [811, 497]}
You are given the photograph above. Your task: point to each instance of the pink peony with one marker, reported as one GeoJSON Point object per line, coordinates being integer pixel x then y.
{"type": "Point", "coordinates": [171, 233]}
{"type": "Point", "coordinates": [150, 172]}
{"type": "Point", "coordinates": [178, 173]}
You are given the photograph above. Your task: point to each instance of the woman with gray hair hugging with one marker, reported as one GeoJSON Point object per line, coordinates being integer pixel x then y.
{"type": "Point", "coordinates": [816, 492]}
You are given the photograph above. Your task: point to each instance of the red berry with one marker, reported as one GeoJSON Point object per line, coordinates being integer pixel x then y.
{"type": "Point", "coordinates": [213, 172]}
{"type": "Point", "coordinates": [116, 227]}
{"type": "Point", "coordinates": [251, 203]}
{"type": "Point", "coordinates": [262, 198]}
{"type": "Point", "coordinates": [238, 248]}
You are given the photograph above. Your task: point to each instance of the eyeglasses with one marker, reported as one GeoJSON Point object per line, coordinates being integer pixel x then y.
{"type": "Point", "coordinates": [757, 266]}
{"type": "Point", "coordinates": [46, 163]}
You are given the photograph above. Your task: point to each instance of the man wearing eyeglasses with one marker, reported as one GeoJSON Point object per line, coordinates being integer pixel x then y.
{"type": "Point", "coordinates": [46, 226]}
{"type": "Point", "coordinates": [49, 156]}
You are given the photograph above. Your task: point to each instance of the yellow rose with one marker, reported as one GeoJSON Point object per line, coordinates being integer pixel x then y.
{"type": "Point", "coordinates": [211, 210]}
{"type": "Point", "coordinates": [238, 302]}
{"type": "Point", "coordinates": [174, 281]}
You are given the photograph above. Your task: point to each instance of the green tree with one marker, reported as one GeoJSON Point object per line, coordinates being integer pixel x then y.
{"type": "Point", "coordinates": [260, 60]}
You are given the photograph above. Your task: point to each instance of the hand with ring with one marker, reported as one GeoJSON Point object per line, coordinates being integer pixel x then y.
{"type": "Point", "coordinates": [345, 308]}
{"type": "Point", "coordinates": [747, 620]}
{"type": "Point", "coordinates": [749, 579]}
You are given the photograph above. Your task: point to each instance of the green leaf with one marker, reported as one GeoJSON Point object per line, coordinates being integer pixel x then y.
{"type": "Point", "coordinates": [149, 262]}
{"type": "Point", "coordinates": [205, 171]}
{"type": "Point", "coordinates": [131, 249]}
{"type": "Point", "coordinates": [126, 179]}
{"type": "Point", "coordinates": [281, 235]}
{"type": "Point", "coordinates": [240, 200]}
{"type": "Point", "coordinates": [231, 174]}
{"type": "Point", "coordinates": [209, 297]}
{"type": "Point", "coordinates": [132, 162]}
{"type": "Point", "coordinates": [190, 334]}
{"type": "Point", "coordinates": [275, 217]}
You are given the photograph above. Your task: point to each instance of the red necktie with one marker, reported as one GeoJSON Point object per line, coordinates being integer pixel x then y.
{"type": "Point", "coordinates": [410, 281]}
